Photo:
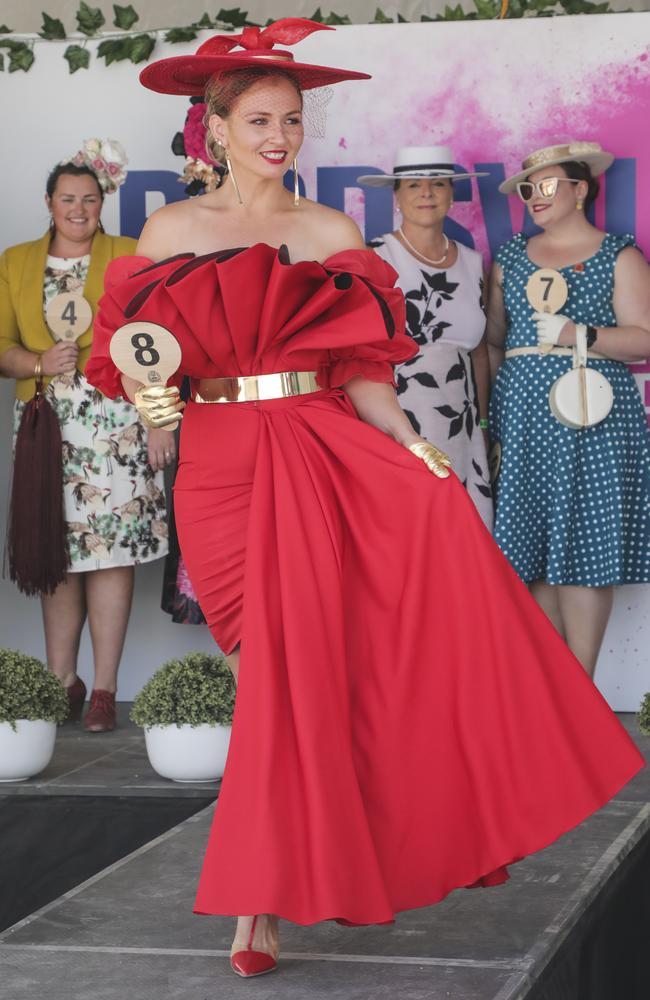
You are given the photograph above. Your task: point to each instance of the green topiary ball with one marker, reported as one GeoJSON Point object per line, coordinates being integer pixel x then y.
{"type": "Point", "coordinates": [644, 715]}
{"type": "Point", "coordinates": [29, 691]}
{"type": "Point", "coordinates": [194, 690]}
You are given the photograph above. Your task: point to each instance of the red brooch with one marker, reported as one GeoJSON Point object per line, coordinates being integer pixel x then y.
{"type": "Point", "coordinates": [579, 267]}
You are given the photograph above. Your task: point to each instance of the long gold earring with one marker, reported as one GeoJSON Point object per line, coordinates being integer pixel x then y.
{"type": "Point", "coordinates": [296, 185]}
{"type": "Point", "coordinates": [580, 204]}
{"type": "Point", "coordinates": [231, 174]}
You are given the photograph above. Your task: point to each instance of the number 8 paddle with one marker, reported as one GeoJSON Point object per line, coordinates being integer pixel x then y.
{"type": "Point", "coordinates": [147, 353]}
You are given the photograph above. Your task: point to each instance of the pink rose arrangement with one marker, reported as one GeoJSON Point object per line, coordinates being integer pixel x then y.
{"type": "Point", "coordinates": [199, 165]}
{"type": "Point", "coordinates": [106, 158]}
{"type": "Point", "coordinates": [194, 134]}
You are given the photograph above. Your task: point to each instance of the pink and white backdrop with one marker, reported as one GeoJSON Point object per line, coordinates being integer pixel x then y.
{"type": "Point", "coordinates": [494, 91]}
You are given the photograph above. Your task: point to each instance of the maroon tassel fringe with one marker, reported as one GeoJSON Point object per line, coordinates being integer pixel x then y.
{"type": "Point", "coordinates": [37, 544]}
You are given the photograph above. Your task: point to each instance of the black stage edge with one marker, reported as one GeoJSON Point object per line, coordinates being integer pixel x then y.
{"type": "Point", "coordinates": [49, 844]}
{"type": "Point", "coordinates": [606, 955]}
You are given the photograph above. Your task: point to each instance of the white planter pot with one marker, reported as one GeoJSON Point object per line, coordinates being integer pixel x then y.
{"type": "Point", "coordinates": [188, 753]}
{"type": "Point", "coordinates": [27, 750]}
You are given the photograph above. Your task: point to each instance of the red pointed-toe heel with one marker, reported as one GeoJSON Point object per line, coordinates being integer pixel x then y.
{"type": "Point", "coordinates": [76, 698]}
{"type": "Point", "coordinates": [252, 963]}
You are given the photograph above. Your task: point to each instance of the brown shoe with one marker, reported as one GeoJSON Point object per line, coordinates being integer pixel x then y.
{"type": "Point", "coordinates": [76, 697]}
{"type": "Point", "coordinates": [100, 717]}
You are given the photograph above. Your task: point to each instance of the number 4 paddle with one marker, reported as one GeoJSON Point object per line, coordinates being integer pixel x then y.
{"type": "Point", "coordinates": [68, 315]}
{"type": "Point", "coordinates": [147, 353]}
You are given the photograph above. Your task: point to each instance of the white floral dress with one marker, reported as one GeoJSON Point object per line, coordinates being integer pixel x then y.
{"type": "Point", "coordinates": [445, 315]}
{"type": "Point", "coordinates": [114, 503]}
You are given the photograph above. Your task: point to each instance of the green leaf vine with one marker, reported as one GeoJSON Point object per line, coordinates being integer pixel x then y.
{"type": "Point", "coordinates": [77, 57]}
{"type": "Point", "coordinates": [129, 43]}
{"type": "Point", "coordinates": [89, 19]}
{"type": "Point", "coordinates": [52, 28]}
{"type": "Point", "coordinates": [125, 17]}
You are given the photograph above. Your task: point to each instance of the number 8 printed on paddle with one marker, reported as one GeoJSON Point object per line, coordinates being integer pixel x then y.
{"type": "Point", "coordinates": [147, 353]}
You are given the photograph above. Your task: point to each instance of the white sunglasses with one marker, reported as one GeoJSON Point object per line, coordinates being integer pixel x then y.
{"type": "Point", "coordinates": [546, 188]}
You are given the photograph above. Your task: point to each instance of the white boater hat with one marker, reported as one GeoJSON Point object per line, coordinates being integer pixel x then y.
{"type": "Point", "coordinates": [591, 153]}
{"type": "Point", "coordinates": [419, 163]}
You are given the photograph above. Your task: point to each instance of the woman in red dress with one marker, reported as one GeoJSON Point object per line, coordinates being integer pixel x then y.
{"type": "Point", "coordinates": [407, 719]}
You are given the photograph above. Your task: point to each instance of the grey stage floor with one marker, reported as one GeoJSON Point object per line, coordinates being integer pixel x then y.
{"type": "Point", "coordinates": [128, 933]}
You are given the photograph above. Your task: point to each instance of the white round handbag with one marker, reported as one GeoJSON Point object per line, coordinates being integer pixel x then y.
{"type": "Point", "coordinates": [582, 397]}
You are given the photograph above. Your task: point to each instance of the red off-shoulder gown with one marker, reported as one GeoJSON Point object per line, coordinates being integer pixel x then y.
{"type": "Point", "coordinates": [407, 720]}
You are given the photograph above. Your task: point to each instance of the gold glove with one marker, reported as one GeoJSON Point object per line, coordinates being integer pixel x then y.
{"type": "Point", "coordinates": [159, 405]}
{"type": "Point", "coordinates": [434, 459]}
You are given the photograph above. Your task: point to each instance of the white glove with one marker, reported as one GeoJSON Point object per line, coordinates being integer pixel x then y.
{"type": "Point", "coordinates": [549, 328]}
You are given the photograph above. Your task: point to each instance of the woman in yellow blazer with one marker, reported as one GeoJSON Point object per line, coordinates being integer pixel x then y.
{"type": "Point", "coordinates": [113, 490]}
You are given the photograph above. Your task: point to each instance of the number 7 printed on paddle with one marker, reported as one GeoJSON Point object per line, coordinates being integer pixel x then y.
{"type": "Point", "coordinates": [546, 291]}
{"type": "Point", "coordinates": [147, 353]}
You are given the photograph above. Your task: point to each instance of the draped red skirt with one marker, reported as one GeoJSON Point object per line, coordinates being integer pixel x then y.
{"type": "Point", "coordinates": [407, 720]}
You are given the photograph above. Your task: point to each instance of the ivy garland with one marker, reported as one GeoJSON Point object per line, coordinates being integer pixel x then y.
{"type": "Point", "coordinates": [136, 46]}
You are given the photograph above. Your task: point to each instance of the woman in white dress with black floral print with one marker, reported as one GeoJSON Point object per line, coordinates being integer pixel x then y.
{"type": "Point", "coordinates": [444, 389]}
{"type": "Point", "coordinates": [113, 491]}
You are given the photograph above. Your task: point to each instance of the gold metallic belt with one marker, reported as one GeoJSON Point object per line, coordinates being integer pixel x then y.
{"type": "Point", "coordinates": [515, 352]}
{"type": "Point", "coordinates": [248, 388]}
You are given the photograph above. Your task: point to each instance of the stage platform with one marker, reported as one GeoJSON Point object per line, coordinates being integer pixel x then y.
{"type": "Point", "coordinates": [128, 933]}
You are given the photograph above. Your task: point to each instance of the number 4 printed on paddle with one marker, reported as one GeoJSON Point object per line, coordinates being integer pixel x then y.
{"type": "Point", "coordinates": [68, 315]}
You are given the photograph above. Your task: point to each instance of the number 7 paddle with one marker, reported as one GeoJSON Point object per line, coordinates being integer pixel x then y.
{"type": "Point", "coordinates": [546, 291]}
{"type": "Point", "coordinates": [147, 353]}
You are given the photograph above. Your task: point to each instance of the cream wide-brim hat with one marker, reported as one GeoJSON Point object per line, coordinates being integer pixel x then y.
{"type": "Point", "coordinates": [591, 153]}
{"type": "Point", "coordinates": [418, 163]}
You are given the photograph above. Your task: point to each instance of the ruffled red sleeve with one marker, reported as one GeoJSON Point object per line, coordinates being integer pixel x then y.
{"type": "Point", "coordinates": [385, 342]}
{"type": "Point", "coordinates": [250, 311]}
{"type": "Point", "coordinates": [124, 278]}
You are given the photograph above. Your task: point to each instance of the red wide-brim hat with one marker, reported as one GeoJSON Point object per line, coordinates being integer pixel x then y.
{"type": "Point", "coordinates": [189, 74]}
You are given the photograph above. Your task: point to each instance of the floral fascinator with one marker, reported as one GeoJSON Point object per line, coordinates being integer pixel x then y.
{"type": "Point", "coordinates": [201, 174]}
{"type": "Point", "coordinates": [106, 158]}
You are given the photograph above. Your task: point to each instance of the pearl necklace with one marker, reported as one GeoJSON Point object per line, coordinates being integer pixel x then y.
{"type": "Point", "coordinates": [436, 263]}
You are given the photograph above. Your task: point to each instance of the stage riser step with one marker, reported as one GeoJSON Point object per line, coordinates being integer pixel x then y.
{"type": "Point", "coordinates": [51, 843]}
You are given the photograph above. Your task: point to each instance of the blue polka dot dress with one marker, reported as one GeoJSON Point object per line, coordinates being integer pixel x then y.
{"type": "Point", "coordinates": [572, 506]}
